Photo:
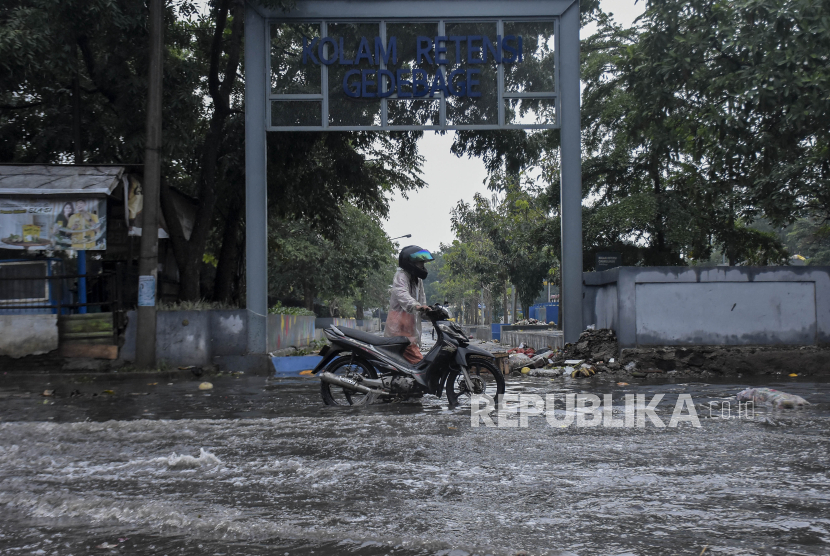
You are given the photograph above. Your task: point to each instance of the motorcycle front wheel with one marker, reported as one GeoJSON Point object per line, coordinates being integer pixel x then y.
{"type": "Point", "coordinates": [337, 395]}
{"type": "Point", "coordinates": [486, 379]}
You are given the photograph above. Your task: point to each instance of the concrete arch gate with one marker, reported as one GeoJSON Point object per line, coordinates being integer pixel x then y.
{"type": "Point", "coordinates": [389, 65]}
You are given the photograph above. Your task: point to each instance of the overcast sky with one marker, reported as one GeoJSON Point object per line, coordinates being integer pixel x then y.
{"type": "Point", "coordinates": [426, 214]}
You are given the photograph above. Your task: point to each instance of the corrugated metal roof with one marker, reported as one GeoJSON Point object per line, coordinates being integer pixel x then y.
{"type": "Point", "coordinates": [49, 179]}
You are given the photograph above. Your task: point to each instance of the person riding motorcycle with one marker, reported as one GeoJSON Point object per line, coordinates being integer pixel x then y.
{"type": "Point", "coordinates": [408, 299]}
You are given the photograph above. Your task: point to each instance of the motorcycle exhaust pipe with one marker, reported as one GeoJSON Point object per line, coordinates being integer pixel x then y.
{"type": "Point", "coordinates": [349, 383]}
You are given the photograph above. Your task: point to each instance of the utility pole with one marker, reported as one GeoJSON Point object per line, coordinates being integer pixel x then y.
{"type": "Point", "coordinates": [145, 342]}
{"type": "Point", "coordinates": [79, 159]}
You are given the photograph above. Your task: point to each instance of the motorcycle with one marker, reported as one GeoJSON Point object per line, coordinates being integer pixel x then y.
{"type": "Point", "coordinates": [359, 368]}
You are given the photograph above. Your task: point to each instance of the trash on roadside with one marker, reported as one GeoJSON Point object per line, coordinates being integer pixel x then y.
{"type": "Point", "coordinates": [106, 545]}
{"type": "Point", "coordinates": [48, 393]}
{"type": "Point", "coordinates": [574, 361]}
{"type": "Point", "coordinates": [583, 372]}
{"type": "Point", "coordinates": [518, 360]}
{"type": "Point", "coordinates": [525, 322]}
{"type": "Point", "coordinates": [109, 392]}
{"type": "Point", "coordinates": [793, 374]}
{"type": "Point", "coordinates": [548, 373]}
{"type": "Point", "coordinates": [639, 374]}
{"type": "Point", "coordinates": [530, 352]}
{"type": "Point", "coordinates": [187, 368]}
{"type": "Point", "coordinates": [622, 384]}
{"type": "Point", "coordinates": [152, 383]}
{"type": "Point", "coordinates": [772, 397]}
{"type": "Point", "coordinates": [45, 402]}
{"type": "Point", "coordinates": [631, 366]}
{"type": "Point", "coordinates": [205, 386]}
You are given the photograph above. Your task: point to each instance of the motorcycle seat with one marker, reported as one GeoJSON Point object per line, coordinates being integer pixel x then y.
{"type": "Point", "coordinates": [373, 340]}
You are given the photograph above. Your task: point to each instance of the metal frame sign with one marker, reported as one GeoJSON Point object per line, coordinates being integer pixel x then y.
{"type": "Point", "coordinates": [413, 75]}
{"type": "Point", "coordinates": [387, 65]}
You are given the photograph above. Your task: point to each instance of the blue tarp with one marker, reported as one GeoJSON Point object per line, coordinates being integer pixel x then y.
{"type": "Point", "coordinates": [294, 366]}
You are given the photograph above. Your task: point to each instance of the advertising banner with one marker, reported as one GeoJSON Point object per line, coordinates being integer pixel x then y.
{"type": "Point", "coordinates": [53, 223]}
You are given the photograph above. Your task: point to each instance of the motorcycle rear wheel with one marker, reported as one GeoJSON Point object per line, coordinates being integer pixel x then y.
{"type": "Point", "coordinates": [336, 395]}
{"type": "Point", "coordinates": [486, 379]}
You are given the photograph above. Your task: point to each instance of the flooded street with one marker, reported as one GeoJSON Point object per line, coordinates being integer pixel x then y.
{"type": "Point", "coordinates": [259, 466]}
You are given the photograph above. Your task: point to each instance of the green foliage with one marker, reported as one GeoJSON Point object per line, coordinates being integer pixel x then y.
{"type": "Point", "coordinates": [47, 46]}
{"type": "Point", "coordinates": [702, 119]}
{"type": "Point", "coordinates": [432, 283]}
{"type": "Point", "coordinates": [280, 309]}
{"type": "Point", "coordinates": [511, 238]}
{"type": "Point", "coordinates": [356, 262]}
{"type": "Point", "coordinates": [198, 305]}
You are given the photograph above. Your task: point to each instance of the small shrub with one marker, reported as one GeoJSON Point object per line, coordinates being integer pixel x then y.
{"type": "Point", "coordinates": [200, 305]}
{"type": "Point", "coordinates": [280, 309]}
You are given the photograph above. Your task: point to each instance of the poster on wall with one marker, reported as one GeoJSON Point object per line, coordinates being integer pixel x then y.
{"type": "Point", "coordinates": [55, 223]}
{"type": "Point", "coordinates": [134, 207]}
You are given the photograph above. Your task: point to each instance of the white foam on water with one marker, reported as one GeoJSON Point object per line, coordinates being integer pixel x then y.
{"type": "Point", "coordinates": [204, 459]}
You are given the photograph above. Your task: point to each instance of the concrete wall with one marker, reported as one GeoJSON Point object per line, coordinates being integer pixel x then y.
{"type": "Point", "coordinates": [536, 340]}
{"type": "Point", "coordinates": [710, 306]}
{"type": "Point", "coordinates": [197, 337]}
{"type": "Point", "coordinates": [22, 335]}
{"type": "Point", "coordinates": [479, 331]}
{"type": "Point", "coordinates": [339, 323]}
{"type": "Point", "coordinates": [228, 332]}
{"type": "Point", "coordinates": [290, 330]}
{"type": "Point", "coordinates": [192, 337]}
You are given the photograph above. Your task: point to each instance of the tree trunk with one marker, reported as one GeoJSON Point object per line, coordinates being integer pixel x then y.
{"type": "Point", "coordinates": [308, 296]}
{"type": "Point", "coordinates": [504, 301]}
{"type": "Point", "coordinates": [659, 225]}
{"type": "Point", "coordinates": [223, 289]}
{"type": "Point", "coordinates": [189, 252]}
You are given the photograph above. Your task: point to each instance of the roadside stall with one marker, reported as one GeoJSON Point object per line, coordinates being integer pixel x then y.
{"type": "Point", "coordinates": [59, 284]}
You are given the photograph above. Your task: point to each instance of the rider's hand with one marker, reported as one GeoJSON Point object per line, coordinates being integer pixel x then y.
{"type": "Point", "coordinates": [423, 308]}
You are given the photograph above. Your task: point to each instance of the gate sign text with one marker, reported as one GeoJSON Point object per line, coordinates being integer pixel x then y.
{"type": "Point", "coordinates": [408, 82]}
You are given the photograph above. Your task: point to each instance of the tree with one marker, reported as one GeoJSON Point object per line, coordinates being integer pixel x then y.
{"type": "Point", "coordinates": [58, 55]}
{"type": "Point", "coordinates": [507, 239]}
{"type": "Point", "coordinates": [353, 264]}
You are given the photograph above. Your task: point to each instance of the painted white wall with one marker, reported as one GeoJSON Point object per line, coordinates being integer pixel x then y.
{"type": "Point", "coordinates": [22, 335]}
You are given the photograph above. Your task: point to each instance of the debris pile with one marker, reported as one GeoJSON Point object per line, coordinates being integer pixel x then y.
{"type": "Point", "coordinates": [595, 352]}
{"type": "Point", "coordinates": [595, 345]}
{"type": "Point", "coordinates": [529, 322]}
{"type": "Point", "coordinates": [523, 357]}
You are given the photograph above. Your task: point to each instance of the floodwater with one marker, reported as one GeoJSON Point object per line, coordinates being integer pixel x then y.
{"type": "Point", "coordinates": [257, 465]}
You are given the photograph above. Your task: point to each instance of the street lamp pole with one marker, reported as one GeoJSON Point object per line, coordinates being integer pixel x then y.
{"type": "Point", "coordinates": [400, 237]}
